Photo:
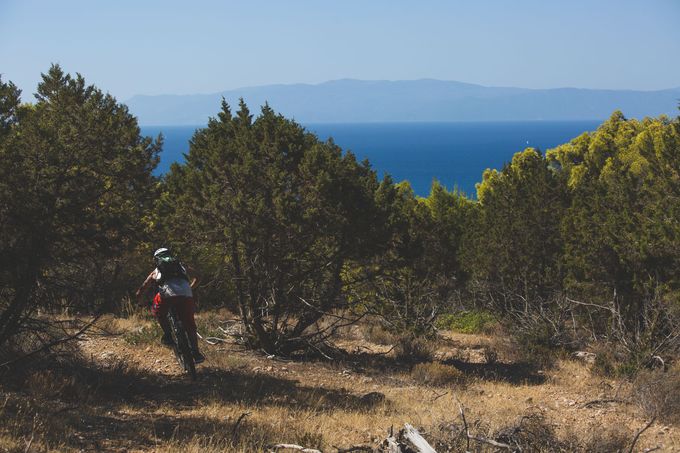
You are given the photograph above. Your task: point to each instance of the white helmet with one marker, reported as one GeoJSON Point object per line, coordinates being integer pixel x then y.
{"type": "Point", "coordinates": [160, 251]}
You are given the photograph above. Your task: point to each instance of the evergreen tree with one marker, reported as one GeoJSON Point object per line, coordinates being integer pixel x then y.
{"type": "Point", "coordinates": [513, 243]}
{"type": "Point", "coordinates": [278, 214]}
{"type": "Point", "coordinates": [622, 231]}
{"type": "Point", "coordinates": [75, 184]}
{"type": "Point", "coordinates": [419, 271]}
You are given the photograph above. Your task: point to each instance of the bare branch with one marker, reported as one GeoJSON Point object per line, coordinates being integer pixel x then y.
{"type": "Point", "coordinates": [54, 343]}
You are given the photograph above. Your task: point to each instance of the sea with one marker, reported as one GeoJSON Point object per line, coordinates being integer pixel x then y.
{"type": "Point", "coordinates": [455, 154]}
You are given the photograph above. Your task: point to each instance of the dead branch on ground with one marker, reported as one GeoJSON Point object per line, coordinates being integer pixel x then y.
{"type": "Point", "coordinates": [278, 447]}
{"type": "Point", "coordinates": [639, 433]}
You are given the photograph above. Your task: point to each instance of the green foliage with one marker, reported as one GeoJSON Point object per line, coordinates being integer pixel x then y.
{"type": "Point", "coordinates": [473, 321]}
{"type": "Point", "coordinates": [75, 184]}
{"type": "Point", "coordinates": [418, 272]}
{"type": "Point", "coordinates": [622, 228]}
{"type": "Point", "coordinates": [288, 229]}
{"type": "Point", "coordinates": [277, 215]}
{"type": "Point", "coordinates": [512, 244]}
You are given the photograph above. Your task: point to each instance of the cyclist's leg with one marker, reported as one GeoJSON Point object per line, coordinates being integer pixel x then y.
{"type": "Point", "coordinates": [186, 311]}
{"type": "Point", "coordinates": [159, 309]}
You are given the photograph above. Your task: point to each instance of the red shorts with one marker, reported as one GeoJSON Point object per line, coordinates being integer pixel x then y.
{"type": "Point", "coordinates": [184, 305]}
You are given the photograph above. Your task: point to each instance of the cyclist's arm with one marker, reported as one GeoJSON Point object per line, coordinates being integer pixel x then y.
{"type": "Point", "coordinates": [192, 272]}
{"type": "Point", "coordinates": [148, 282]}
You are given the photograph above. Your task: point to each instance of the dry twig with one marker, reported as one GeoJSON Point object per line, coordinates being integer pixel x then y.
{"type": "Point", "coordinates": [234, 432]}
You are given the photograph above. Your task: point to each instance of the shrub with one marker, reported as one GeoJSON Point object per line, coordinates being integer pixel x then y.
{"type": "Point", "coordinates": [658, 394]}
{"type": "Point", "coordinates": [533, 346]}
{"type": "Point", "coordinates": [437, 374]}
{"type": "Point", "coordinates": [413, 349]}
{"type": "Point", "coordinates": [607, 440]}
{"type": "Point", "coordinates": [466, 321]}
{"type": "Point", "coordinates": [612, 361]}
{"type": "Point", "coordinates": [376, 333]}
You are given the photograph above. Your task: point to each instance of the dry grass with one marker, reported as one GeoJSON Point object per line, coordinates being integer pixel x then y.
{"type": "Point", "coordinates": [437, 374]}
{"type": "Point", "coordinates": [121, 396]}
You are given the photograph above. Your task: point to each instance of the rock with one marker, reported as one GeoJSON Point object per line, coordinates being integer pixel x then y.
{"type": "Point", "coordinates": [585, 356]}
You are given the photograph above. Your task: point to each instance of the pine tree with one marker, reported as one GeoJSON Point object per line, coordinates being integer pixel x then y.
{"type": "Point", "coordinates": [75, 184]}
{"type": "Point", "coordinates": [278, 215]}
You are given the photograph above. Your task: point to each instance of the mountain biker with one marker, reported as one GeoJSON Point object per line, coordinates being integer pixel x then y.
{"type": "Point", "coordinates": [173, 288]}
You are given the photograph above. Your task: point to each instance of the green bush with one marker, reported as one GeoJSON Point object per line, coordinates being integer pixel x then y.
{"type": "Point", "coordinates": [466, 321]}
{"type": "Point", "coordinates": [613, 361]}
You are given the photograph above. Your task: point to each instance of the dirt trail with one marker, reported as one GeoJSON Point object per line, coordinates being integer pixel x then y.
{"type": "Point", "coordinates": [137, 399]}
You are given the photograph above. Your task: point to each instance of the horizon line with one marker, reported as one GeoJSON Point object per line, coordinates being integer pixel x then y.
{"type": "Point", "coordinates": [425, 79]}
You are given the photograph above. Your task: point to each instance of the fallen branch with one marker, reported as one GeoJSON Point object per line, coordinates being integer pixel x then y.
{"type": "Point", "coordinates": [603, 401]}
{"type": "Point", "coordinates": [438, 396]}
{"type": "Point", "coordinates": [212, 340]}
{"type": "Point", "coordinates": [637, 436]}
{"type": "Point", "coordinates": [293, 447]}
{"type": "Point", "coordinates": [493, 442]}
{"type": "Point", "coordinates": [354, 448]}
{"type": "Point", "coordinates": [413, 436]}
{"type": "Point", "coordinates": [408, 440]}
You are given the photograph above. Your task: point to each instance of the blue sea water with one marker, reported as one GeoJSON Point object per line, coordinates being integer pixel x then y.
{"type": "Point", "coordinates": [456, 154]}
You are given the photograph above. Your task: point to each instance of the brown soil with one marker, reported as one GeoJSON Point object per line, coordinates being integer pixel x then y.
{"type": "Point", "coordinates": [121, 397]}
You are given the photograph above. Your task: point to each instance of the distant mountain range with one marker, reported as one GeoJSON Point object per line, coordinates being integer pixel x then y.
{"type": "Point", "coordinates": [412, 100]}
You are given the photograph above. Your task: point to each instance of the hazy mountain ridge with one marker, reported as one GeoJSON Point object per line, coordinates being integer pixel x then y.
{"type": "Point", "coordinates": [349, 100]}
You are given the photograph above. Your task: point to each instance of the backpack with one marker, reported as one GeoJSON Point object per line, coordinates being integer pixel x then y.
{"type": "Point", "coordinates": [170, 267]}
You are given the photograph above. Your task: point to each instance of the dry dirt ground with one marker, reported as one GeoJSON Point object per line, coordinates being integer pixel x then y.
{"type": "Point", "coordinates": [127, 393]}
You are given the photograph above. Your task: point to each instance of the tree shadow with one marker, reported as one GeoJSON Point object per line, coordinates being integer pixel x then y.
{"type": "Point", "coordinates": [520, 373]}
{"type": "Point", "coordinates": [83, 382]}
{"type": "Point", "coordinates": [381, 365]}
{"type": "Point", "coordinates": [90, 407]}
{"type": "Point", "coordinates": [99, 428]}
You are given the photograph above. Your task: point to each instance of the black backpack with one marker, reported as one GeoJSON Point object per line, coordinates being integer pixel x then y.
{"type": "Point", "coordinates": [170, 267]}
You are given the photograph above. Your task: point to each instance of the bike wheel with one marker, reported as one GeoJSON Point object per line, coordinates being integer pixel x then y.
{"type": "Point", "coordinates": [182, 349]}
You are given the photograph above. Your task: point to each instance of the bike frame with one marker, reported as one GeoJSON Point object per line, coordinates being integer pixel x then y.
{"type": "Point", "coordinates": [181, 346]}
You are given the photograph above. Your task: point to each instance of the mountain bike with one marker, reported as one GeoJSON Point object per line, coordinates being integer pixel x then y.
{"type": "Point", "coordinates": [181, 343]}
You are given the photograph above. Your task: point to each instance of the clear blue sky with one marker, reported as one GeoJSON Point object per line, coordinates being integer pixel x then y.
{"type": "Point", "coordinates": [132, 47]}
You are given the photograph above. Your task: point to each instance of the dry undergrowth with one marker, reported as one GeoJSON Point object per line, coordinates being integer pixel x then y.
{"type": "Point", "coordinates": [124, 393]}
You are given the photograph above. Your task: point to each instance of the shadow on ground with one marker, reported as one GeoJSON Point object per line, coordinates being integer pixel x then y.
{"type": "Point", "coordinates": [381, 365]}
{"type": "Point", "coordinates": [513, 373]}
{"type": "Point", "coordinates": [85, 406]}
{"type": "Point", "coordinates": [96, 428]}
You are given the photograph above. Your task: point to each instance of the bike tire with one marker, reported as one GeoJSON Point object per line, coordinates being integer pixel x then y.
{"type": "Point", "coordinates": [181, 346]}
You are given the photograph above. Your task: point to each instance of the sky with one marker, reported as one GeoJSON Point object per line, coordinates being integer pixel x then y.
{"type": "Point", "coordinates": [129, 47]}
